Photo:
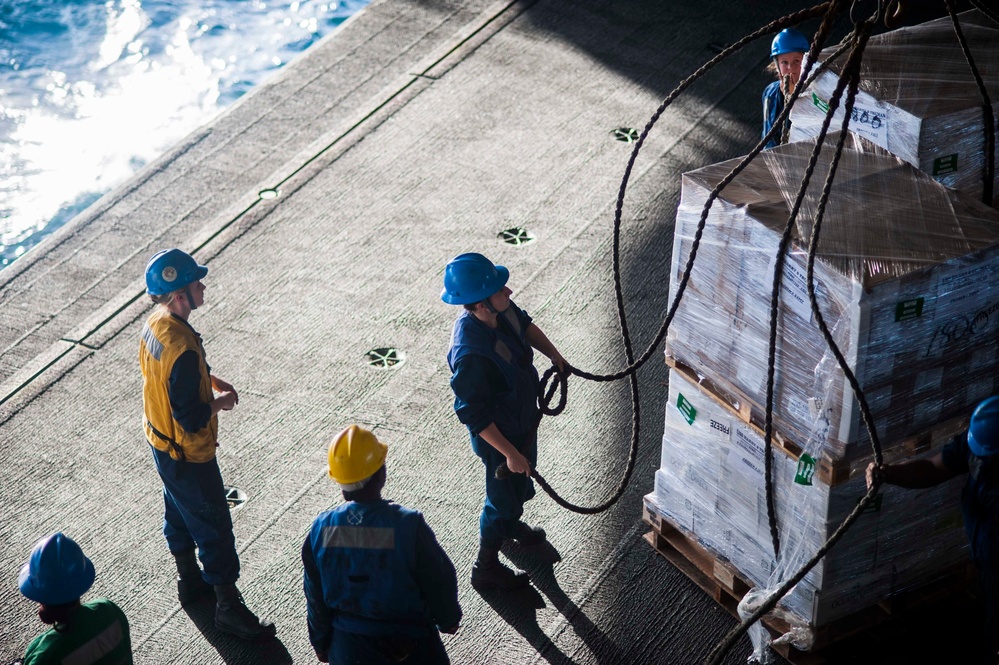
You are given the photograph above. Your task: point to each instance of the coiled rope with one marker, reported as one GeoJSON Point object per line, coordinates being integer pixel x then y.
{"type": "Point", "coordinates": [552, 379]}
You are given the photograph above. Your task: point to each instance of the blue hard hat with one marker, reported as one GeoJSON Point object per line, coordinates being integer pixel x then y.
{"type": "Point", "coordinates": [470, 278]}
{"type": "Point", "coordinates": [983, 433]}
{"type": "Point", "coordinates": [172, 269]}
{"type": "Point", "coordinates": [788, 40]}
{"type": "Point", "coordinates": [57, 573]}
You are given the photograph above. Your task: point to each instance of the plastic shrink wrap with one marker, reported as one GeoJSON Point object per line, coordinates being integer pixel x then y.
{"type": "Point", "coordinates": [907, 279]}
{"type": "Point", "coordinates": [918, 99]}
{"type": "Point", "coordinates": [711, 486]}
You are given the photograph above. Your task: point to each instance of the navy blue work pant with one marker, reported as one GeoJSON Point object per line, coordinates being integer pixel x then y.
{"type": "Point", "coordinates": [353, 649]}
{"type": "Point", "coordinates": [196, 513]}
{"type": "Point", "coordinates": [505, 498]}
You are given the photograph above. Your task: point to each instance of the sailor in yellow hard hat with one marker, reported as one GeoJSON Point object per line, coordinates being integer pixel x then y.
{"type": "Point", "coordinates": [378, 586]}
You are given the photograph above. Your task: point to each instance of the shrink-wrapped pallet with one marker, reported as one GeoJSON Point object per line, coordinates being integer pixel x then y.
{"type": "Point", "coordinates": [918, 99]}
{"type": "Point", "coordinates": [907, 278]}
{"type": "Point", "coordinates": [711, 485]}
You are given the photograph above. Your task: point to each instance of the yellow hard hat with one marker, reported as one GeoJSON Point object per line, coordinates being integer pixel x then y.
{"type": "Point", "coordinates": [354, 456]}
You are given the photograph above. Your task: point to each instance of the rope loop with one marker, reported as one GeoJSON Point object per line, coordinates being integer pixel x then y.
{"type": "Point", "coordinates": [559, 380]}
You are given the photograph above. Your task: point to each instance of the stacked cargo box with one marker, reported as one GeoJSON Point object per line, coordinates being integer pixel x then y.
{"type": "Point", "coordinates": [918, 98]}
{"type": "Point", "coordinates": [711, 486]}
{"type": "Point", "coordinates": [907, 278]}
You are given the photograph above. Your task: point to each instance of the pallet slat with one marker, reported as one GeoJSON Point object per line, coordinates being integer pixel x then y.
{"type": "Point", "coordinates": [722, 582]}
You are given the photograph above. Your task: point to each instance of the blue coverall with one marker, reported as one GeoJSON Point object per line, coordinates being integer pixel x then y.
{"type": "Point", "coordinates": [773, 105]}
{"type": "Point", "coordinates": [195, 507]}
{"type": "Point", "coordinates": [378, 586]}
{"type": "Point", "coordinates": [494, 381]}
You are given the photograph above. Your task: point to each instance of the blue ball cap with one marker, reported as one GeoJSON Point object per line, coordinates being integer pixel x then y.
{"type": "Point", "coordinates": [57, 573]}
{"type": "Point", "coordinates": [170, 270]}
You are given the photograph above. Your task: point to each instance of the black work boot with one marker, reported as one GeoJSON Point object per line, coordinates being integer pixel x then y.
{"type": "Point", "coordinates": [535, 542]}
{"type": "Point", "coordinates": [191, 586]}
{"type": "Point", "coordinates": [489, 573]}
{"type": "Point", "coordinates": [530, 536]}
{"type": "Point", "coordinates": [233, 616]}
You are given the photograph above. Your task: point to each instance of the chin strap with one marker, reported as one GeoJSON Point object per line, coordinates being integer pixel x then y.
{"type": "Point", "coordinates": [190, 298]}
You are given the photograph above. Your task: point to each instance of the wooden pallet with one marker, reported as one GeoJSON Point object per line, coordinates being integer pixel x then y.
{"type": "Point", "coordinates": [828, 470]}
{"type": "Point", "coordinates": [727, 586]}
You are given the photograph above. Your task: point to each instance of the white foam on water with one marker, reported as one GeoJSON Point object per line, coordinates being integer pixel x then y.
{"type": "Point", "coordinates": [93, 91]}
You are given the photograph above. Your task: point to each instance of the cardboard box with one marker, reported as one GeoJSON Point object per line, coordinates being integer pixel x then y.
{"type": "Point", "coordinates": [906, 278]}
{"type": "Point", "coordinates": [712, 486]}
{"type": "Point", "coordinates": [918, 99]}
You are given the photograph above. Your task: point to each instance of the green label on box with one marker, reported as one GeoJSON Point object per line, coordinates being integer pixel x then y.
{"type": "Point", "coordinates": [686, 408]}
{"type": "Point", "coordinates": [806, 470]}
{"type": "Point", "coordinates": [909, 309]}
{"type": "Point", "coordinates": [823, 106]}
{"type": "Point", "coordinates": [946, 164]}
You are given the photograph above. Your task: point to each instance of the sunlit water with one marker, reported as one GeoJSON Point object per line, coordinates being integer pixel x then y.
{"type": "Point", "coordinates": [91, 91]}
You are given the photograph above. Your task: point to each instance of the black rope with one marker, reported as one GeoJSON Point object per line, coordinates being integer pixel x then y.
{"type": "Point", "coordinates": [813, 246]}
{"type": "Point", "coordinates": [988, 119]}
{"type": "Point", "coordinates": [814, 50]}
{"type": "Point", "coordinates": [775, 293]}
{"type": "Point", "coordinates": [984, 9]}
{"type": "Point", "coordinates": [786, 131]}
{"type": "Point", "coordinates": [553, 379]}
{"type": "Point", "coordinates": [779, 24]}
{"type": "Point", "coordinates": [546, 391]}
{"type": "Point", "coordinates": [853, 72]}
{"type": "Point", "coordinates": [850, 77]}
{"type": "Point", "coordinates": [775, 597]}
{"type": "Point", "coordinates": [770, 603]}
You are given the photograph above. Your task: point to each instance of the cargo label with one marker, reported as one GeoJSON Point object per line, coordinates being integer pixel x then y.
{"type": "Point", "coordinates": [909, 309]}
{"type": "Point", "coordinates": [806, 470]}
{"type": "Point", "coordinates": [869, 119]}
{"type": "Point", "coordinates": [794, 283]}
{"type": "Point", "coordinates": [944, 165]}
{"type": "Point", "coordinates": [747, 456]}
{"type": "Point", "coordinates": [686, 409]}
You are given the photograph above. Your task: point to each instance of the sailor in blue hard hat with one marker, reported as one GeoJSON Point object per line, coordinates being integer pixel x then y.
{"type": "Point", "coordinates": [181, 400]}
{"type": "Point", "coordinates": [975, 453]}
{"type": "Point", "coordinates": [787, 51]}
{"type": "Point", "coordinates": [92, 633]}
{"type": "Point", "coordinates": [495, 389]}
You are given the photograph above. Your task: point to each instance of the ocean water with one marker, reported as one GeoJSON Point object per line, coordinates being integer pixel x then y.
{"type": "Point", "coordinates": [92, 90]}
